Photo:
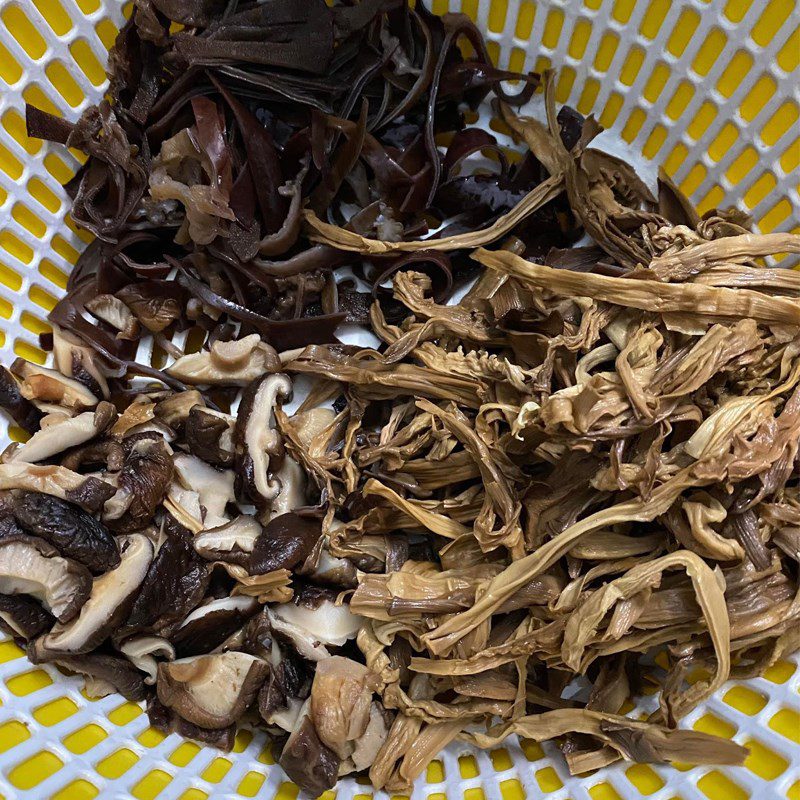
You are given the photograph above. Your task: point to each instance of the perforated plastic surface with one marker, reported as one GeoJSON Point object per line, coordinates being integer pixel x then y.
{"type": "Point", "coordinates": [709, 89]}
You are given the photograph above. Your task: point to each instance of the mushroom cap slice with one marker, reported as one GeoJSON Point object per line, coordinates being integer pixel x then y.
{"type": "Point", "coordinates": [234, 363]}
{"type": "Point", "coordinates": [341, 696]}
{"type": "Point", "coordinates": [41, 384]}
{"type": "Point", "coordinates": [214, 487]}
{"type": "Point", "coordinates": [21, 410]}
{"type": "Point", "coordinates": [232, 542]}
{"type": "Point", "coordinates": [174, 409]}
{"type": "Point", "coordinates": [286, 541]}
{"type": "Point", "coordinates": [84, 490]}
{"type": "Point", "coordinates": [255, 438]}
{"type": "Point", "coordinates": [31, 566]}
{"type": "Point", "coordinates": [312, 627]}
{"type": "Point", "coordinates": [23, 616]}
{"type": "Point", "coordinates": [141, 651]}
{"type": "Point", "coordinates": [113, 311]}
{"type": "Point", "coordinates": [74, 532]}
{"type": "Point", "coordinates": [105, 674]}
{"type": "Point", "coordinates": [209, 625]}
{"type": "Point", "coordinates": [212, 691]}
{"type": "Point", "coordinates": [209, 435]}
{"type": "Point", "coordinates": [292, 493]}
{"type": "Point", "coordinates": [70, 432]}
{"type": "Point", "coordinates": [108, 605]}
{"type": "Point", "coordinates": [312, 765]}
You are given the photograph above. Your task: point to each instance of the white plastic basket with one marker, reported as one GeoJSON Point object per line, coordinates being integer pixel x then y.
{"type": "Point", "coordinates": [709, 89]}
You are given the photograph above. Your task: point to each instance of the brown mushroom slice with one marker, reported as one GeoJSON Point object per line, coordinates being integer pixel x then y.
{"type": "Point", "coordinates": [255, 437]}
{"type": "Point", "coordinates": [75, 533]}
{"type": "Point", "coordinates": [23, 616]}
{"type": "Point", "coordinates": [312, 765]}
{"type": "Point", "coordinates": [211, 691]}
{"type": "Point", "coordinates": [71, 432]}
{"type": "Point", "coordinates": [184, 506]}
{"type": "Point", "coordinates": [323, 568]}
{"type": "Point", "coordinates": [292, 493]}
{"type": "Point", "coordinates": [74, 359]}
{"type": "Point", "coordinates": [209, 435]}
{"type": "Point", "coordinates": [108, 605]}
{"type": "Point", "coordinates": [167, 721]}
{"type": "Point", "coordinates": [49, 386]}
{"type": "Point", "coordinates": [30, 566]}
{"type": "Point", "coordinates": [84, 490]}
{"type": "Point", "coordinates": [142, 652]}
{"type": "Point", "coordinates": [21, 410]}
{"type": "Point", "coordinates": [232, 542]}
{"type": "Point", "coordinates": [214, 487]}
{"type": "Point", "coordinates": [114, 312]}
{"type": "Point", "coordinates": [106, 453]}
{"type": "Point", "coordinates": [285, 542]}
{"type": "Point", "coordinates": [312, 627]}
{"type": "Point", "coordinates": [104, 675]}
{"type": "Point", "coordinates": [205, 628]}
{"type": "Point", "coordinates": [174, 409]}
{"type": "Point", "coordinates": [234, 363]}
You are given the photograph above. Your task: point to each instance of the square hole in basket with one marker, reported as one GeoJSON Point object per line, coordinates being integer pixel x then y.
{"type": "Point", "coordinates": [604, 791]}
{"type": "Point", "coordinates": [28, 682]}
{"type": "Point", "coordinates": [435, 772]}
{"type": "Point", "coordinates": [715, 726]}
{"type": "Point", "coordinates": [716, 785]}
{"type": "Point", "coordinates": [501, 760]}
{"type": "Point", "coordinates": [548, 780]}
{"type": "Point", "coordinates": [151, 785]}
{"type": "Point", "coordinates": [77, 790]}
{"type": "Point", "coordinates": [763, 761]}
{"type": "Point", "coordinates": [117, 764]}
{"type": "Point", "coordinates": [787, 723]}
{"type": "Point", "coordinates": [745, 700]}
{"type": "Point", "coordinates": [13, 733]}
{"type": "Point", "coordinates": [84, 739]}
{"type": "Point", "coordinates": [474, 794]}
{"type": "Point", "coordinates": [780, 672]}
{"type": "Point", "coordinates": [512, 790]}
{"type": "Point", "coordinates": [250, 785]}
{"type": "Point", "coordinates": [34, 770]}
{"type": "Point", "coordinates": [216, 770]}
{"type": "Point", "coordinates": [644, 778]}
{"type": "Point", "coordinates": [124, 714]}
{"type": "Point", "coordinates": [467, 766]}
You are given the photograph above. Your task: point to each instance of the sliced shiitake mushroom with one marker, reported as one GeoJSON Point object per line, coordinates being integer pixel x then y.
{"type": "Point", "coordinates": [255, 438]}
{"type": "Point", "coordinates": [212, 691]}
{"type": "Point", "coordinates": [21, 410]}
{"type": "Point", "coordinates": [205, 628]}
{"type": "Point", "coordinates": [64, 433]}
{"type": "Point", "coordinates": [209, 435]}
{"type": "Point", "coordinates": [23, 616]}
{"type": "Point", "coordinates": [313, 621]}
{"type": "Point", "coordinates": [43, 385]}
{"type": "Point", "coordinates": [234, 363]}
{"type": "Point", "coordinates": [75, 533]}
{"type": "Point", "coordinates": [142, 651]}
{"type": "Point", "coordinates": [232, 542]}
{"type": "Point", "coordinates": [108, 605]}
{"type": "Point", "coordinates": [312, 765]}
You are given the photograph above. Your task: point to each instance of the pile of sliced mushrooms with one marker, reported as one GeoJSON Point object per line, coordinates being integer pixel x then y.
{"type": "Point", "coordinates": [476, 528]}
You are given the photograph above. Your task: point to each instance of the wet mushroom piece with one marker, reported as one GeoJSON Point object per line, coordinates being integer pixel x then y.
{"type": "Point", "coordinates": [312, 765]}
{"type": "Point", "coordinates": [232, 542]}
{"type": "Point", "coordinates": [205, 628]}
{"type": "Point", "coordinates": [23, 617]}
{"type": "Point", "coordinates": [74, 532]}
{"type": "Point", "coordinates": [211, 691]}
{"type": "Point", "coordinates": [63, 433]}
{"type": "Point", "coordinates": [209, 436]}
{"type": "Point", "coordinates": [258, 443]}
{"type": "Point", "coordinates": [31, 566]}
{"type": "Point", "coordinates": [110, 601]}
{"type": "Point", "coordinates": [313, 621]}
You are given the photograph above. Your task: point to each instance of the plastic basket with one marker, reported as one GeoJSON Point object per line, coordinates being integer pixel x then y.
{"type": "Point", "coordinates": [709, 89]}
